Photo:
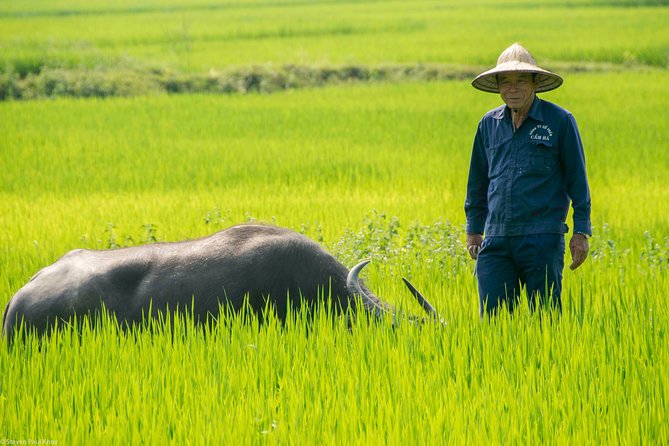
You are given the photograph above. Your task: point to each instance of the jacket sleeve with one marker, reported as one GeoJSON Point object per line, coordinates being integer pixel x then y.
{"type": "Point", "coordinates": [572, 158]}
{"type": "Point", "coordinates": [476, 202]}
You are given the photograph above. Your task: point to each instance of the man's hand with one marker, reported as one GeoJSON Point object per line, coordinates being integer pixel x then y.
{"type": "Point", "coordinates": [474, 244]}
{"type": "Point", "coordinates": [579, 247]}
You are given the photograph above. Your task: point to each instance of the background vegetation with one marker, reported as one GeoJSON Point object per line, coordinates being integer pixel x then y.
{"type": "Point", "coordinates": [54, 48]}
{"type": "Point", "coordinates": [369, 169]}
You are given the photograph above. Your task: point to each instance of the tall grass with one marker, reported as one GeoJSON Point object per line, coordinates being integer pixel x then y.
{"type": "Point", "coordinates": [196, 36]}
{"type": "Point", "coordinates": [104, 173]}
{"type": "Point", "coordinates": [402, 148]}
{"type": "Point", "coordinates": [594, 376]}
{"type": "Point", "coordinates": [369, 171]}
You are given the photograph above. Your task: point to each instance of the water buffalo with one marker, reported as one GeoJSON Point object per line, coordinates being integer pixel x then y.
{"type": "Point", "coordinates": [257, 262]}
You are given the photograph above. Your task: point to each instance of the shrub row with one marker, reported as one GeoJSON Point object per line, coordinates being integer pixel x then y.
{"type": "Point", "coordinates": [106, 82]}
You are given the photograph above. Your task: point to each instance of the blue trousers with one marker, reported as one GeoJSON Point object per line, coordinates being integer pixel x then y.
{"type": "Point", "coordinates": [505, 264]}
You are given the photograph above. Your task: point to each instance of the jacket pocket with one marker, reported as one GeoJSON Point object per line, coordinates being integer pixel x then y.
{"type": "Point", "coordinates": [543, 158]}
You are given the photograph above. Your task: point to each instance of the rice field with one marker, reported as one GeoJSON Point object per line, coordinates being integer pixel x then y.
{"type": "Point", "coordinates": [374, 170]}
{"type": "Point", "coordinates": [202, 34]}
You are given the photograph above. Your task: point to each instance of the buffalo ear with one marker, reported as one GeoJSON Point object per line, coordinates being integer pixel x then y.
{"type": "Point", "coordinates": [427, 306]}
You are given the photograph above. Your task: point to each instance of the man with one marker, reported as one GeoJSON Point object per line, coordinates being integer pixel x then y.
{"type": "Point", "coordinates": [527, 165]}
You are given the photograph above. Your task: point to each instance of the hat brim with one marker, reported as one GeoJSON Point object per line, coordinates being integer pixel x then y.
{"type": "Point", "coordinates": [545, 80]}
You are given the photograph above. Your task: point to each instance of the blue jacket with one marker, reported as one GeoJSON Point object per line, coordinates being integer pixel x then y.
{"type": "Point", "coordinates": [522, 182]}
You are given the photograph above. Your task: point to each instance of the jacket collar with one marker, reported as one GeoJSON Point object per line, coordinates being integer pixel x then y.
{"type": "Point", "coordinates": [535, 112]}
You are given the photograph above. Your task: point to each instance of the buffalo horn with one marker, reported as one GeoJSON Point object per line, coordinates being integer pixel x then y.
{"type": "Point", "coordinates": [353, 285]}
{"type": "Point", "coordinates": [429, 309]}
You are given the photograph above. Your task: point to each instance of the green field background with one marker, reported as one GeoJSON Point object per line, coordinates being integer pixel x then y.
{"type": "Point", "coordinates": [202, 34]}
{"type": "Point", "coordinates": [370, 170]}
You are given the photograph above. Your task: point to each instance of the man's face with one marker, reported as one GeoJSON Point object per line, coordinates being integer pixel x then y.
{"type": "Point", "coordinates": [517, 90]}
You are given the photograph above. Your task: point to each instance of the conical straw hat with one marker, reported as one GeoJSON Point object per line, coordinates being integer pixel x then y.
{"type": "Point", "coordinates": [518, 59]}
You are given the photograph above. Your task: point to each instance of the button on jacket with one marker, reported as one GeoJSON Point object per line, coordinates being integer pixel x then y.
{"type": "Point", "coordinates": [521, 182]}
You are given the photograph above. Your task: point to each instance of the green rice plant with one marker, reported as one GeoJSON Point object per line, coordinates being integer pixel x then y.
{"type": "Point", "coordinates": [199, 36]}
{"type": "Point", "coordinates": [319, 381]}
{"type": "Point", "coordinates": [373, 170]}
